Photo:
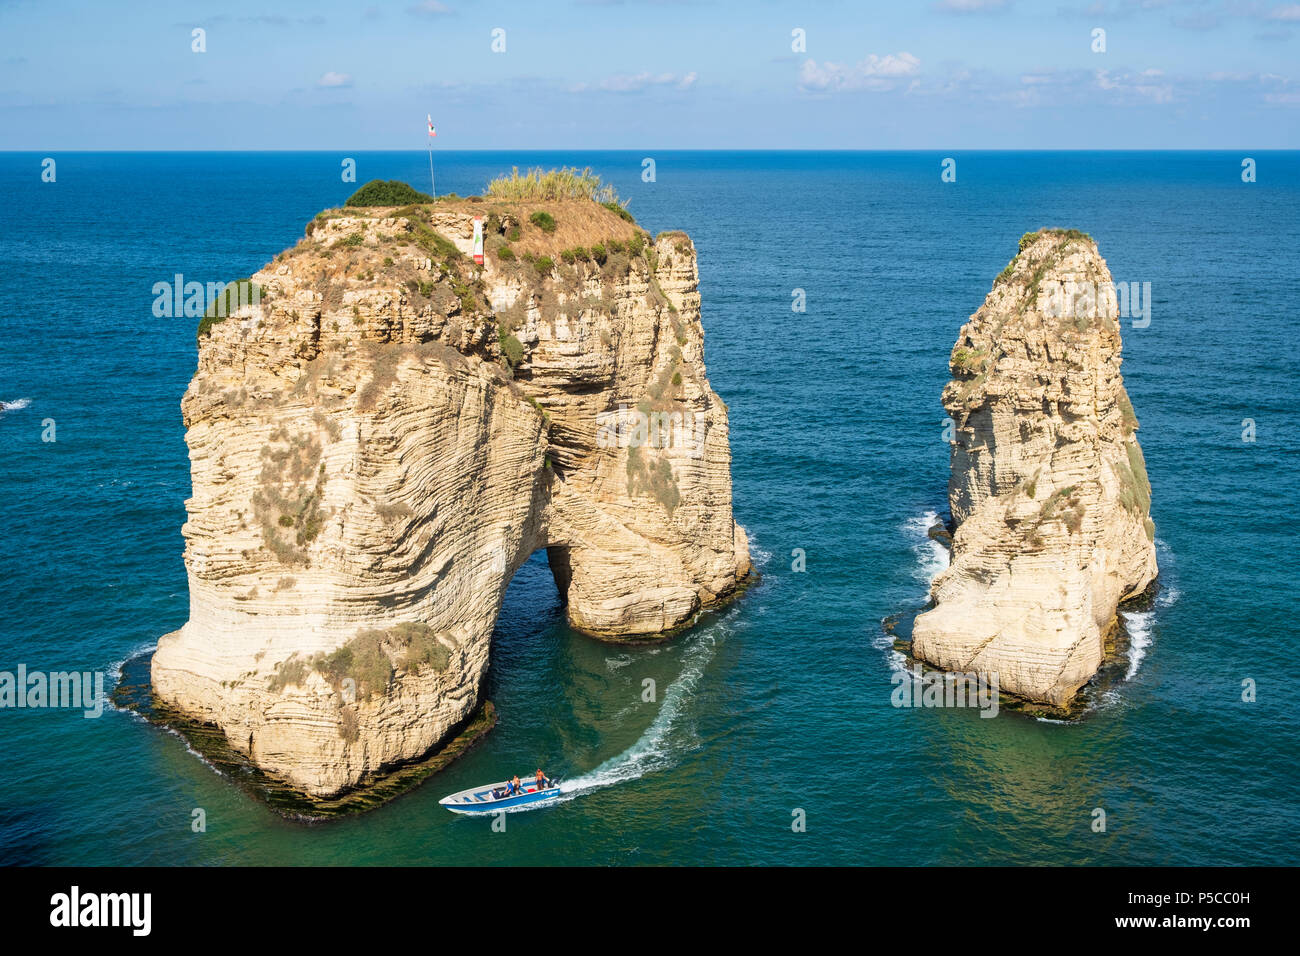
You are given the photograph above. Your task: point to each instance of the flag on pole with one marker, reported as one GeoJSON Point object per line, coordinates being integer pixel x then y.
{"type": "Point", "coordinates": [431, 130]}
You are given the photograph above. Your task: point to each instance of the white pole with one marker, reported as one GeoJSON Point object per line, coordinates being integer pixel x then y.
{"type": "Point", "coordinates": [432, 186]}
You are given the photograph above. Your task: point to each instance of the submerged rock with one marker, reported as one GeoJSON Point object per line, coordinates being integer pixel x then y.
{"type": "Point", "coordinates": [1048, 488]}
{"type": "Point", "coordinates": [386, 433]}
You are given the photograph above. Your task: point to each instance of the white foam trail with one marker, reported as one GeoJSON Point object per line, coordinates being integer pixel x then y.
{"type": "Point", "coordinates": [617, 663]}
{"type": "Point", "coordinates": [1138, 625]}
{"type": "Point", "coordinates": [931, 556]}
{"type": "Point", "coordinates": [650, 753]}
{"type": "Point", "coordinates": [15, 406]}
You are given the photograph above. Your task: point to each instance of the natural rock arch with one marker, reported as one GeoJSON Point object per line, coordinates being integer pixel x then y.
{"type": "Point", "coordinates": [374, 458]}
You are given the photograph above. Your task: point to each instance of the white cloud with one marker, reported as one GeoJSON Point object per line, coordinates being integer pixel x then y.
{"type": "Point", "coordinates": [970, 6]}
{"type": "Point", "coordinates": [873, 73]}
{"type": "Point", "coordinates": [1148, 85]}
{"type": "Point", "coordinates": [636, 82]}
{"type": "Point", "coordinates": [429, 8]}
{"type": "Point", "coordinates": [332, 79]}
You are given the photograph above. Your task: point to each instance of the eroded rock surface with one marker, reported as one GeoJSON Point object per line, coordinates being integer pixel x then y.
{"type": "Point", "coordinates": [1048, 489]}
{"type": "Point", "coordinates": [380, 442]}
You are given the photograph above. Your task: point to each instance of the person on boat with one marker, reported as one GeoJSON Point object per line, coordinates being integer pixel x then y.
{"type": "Point", "coordinates": [542, 782]}
{"type": "Point", "coordinates": [519, 787]}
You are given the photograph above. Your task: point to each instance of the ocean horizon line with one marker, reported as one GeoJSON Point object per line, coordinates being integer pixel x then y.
{"type": "Point", "coordinates": [675, 149]}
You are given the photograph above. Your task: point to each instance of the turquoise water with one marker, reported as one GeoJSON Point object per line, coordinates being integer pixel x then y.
{"type": "Point", "coordinates": [783, 700]}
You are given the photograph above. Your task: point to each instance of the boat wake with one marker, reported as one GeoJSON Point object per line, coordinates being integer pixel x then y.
{"type": "Point", "coordinates": [654, 750]}
{"type": "Point", "coordinates": [15, 406]}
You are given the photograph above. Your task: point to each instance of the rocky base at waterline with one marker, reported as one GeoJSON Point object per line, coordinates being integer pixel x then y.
{"type": "Point", "coordinates": [1048, 489]}
{"type": "Point", "coordinates": [381, 432]}
{"type": "Point", "coordinates": [135, 693]}
{"type": "Point", "coordinates": [1118, 656]}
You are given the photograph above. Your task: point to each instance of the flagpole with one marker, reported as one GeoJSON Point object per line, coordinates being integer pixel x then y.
{"type": "Point", "coordinates": [433, 187]}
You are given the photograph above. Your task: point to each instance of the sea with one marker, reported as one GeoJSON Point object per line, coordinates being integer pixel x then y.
{"type": "Point", "coordinates": [833, 285]}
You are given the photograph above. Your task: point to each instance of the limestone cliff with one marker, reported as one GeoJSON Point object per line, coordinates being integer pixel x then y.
{"type": "Point", "coordinates": [389, 430]}
{"type": "Point", "coordinates": [1048, 489]}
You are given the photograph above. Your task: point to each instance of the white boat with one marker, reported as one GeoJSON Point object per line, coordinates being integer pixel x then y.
{"type": "Point", "coordinates": [496, 796]}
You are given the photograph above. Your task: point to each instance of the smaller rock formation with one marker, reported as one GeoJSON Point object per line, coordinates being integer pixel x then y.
{"type": "Point", "coordinates": [1048, 491]}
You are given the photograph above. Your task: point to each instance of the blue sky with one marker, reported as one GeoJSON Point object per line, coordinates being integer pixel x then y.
{"type": "Point", "coordinates": [940, 74]}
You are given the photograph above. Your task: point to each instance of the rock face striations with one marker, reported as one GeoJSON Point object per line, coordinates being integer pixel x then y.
{"type": "Point", "coordinates": [1048, 491]}
{"type": "Point", "coordinates": [389, 430]}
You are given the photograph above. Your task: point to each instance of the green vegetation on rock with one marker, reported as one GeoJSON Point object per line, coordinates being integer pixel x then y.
{"type": "Point", "coordinates": [229, 300]}
{"type": "Point", "coordinates": [391, 192]}
{"type": "Point", "coordinates": [368, 659]}
{"type": "Point", "coordinates": [1135, 487]}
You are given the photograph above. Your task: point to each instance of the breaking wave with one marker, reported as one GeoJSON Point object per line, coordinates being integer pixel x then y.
{"type": "Point", "coordinates": [931, 556]}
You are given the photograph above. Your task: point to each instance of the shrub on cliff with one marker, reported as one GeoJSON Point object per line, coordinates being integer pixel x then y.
{"type": "Point", "coordinates": [619, 210]}
{"type": "Point", "coordinates": [234, 296]}
{"type": "Point", "coordinates": [423, 649]}
{"type": "Point", "coordinates": [363, 660]}
{"type": "Point", "coordinates": [543, 221]}
{"type": "Point", "coordinates": [392, 192]}
{"type": "Point", "coordinates": [292, 671]}
{"type": "Point", "coordinates": [511, 348]}
{"type": "Point", "coordinates": [427, 238]}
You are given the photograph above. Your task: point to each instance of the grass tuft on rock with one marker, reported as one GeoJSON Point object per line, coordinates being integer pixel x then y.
{"type": "Point", "coordinates": [567, 182]}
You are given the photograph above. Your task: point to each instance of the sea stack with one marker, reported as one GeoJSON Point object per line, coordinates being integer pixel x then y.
{"type": "Point", "coordinates": [1048, 489]}
{"type": "Point", "coordinates": [383, 430]}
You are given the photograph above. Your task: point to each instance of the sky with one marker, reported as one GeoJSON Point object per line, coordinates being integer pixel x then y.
{"type": "Point", "coordinates": [630, 74]}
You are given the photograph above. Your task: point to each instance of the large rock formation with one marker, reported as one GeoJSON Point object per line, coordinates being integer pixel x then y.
{"type": "Point", "coordinates": [1048, 489]}
{"type": "Point", "coordinates": [383, 438]}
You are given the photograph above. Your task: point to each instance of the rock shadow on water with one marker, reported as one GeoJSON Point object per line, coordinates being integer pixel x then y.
{"type": "Point", "coordinates": [134, 693]}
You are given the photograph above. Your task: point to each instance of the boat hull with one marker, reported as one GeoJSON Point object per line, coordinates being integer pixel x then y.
{"type": "Point", "coordinates": [481, 800]}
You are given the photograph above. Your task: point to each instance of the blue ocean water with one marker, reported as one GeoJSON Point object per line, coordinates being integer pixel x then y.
{"type": "Point", "coordinates": [781, 702]}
